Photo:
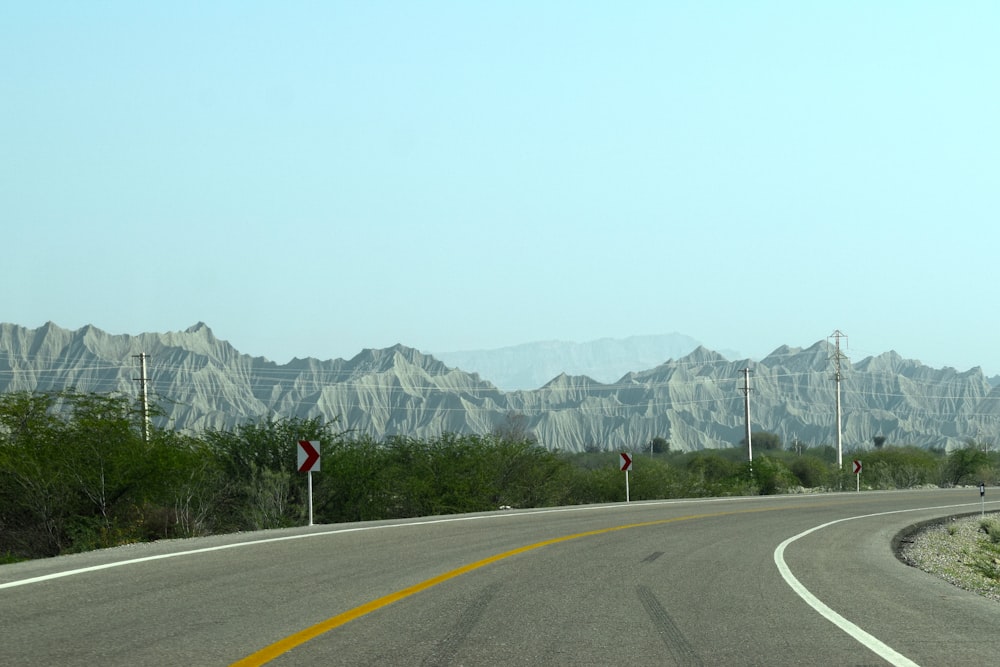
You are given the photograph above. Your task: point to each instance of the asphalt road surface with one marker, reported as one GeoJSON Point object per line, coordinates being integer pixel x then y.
{"type": "Point", "coordinates": [781, 580]}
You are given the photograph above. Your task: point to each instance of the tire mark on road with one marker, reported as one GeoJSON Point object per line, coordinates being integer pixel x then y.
{"type": "Point", "coordinates": [672, 637]}
{"type": "Point", "coordinates": [446, 650]}
{"type": "Point", "coordinates": [272, 651]}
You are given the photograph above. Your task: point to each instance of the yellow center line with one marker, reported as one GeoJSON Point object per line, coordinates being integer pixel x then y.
{"type": "Point", "coordinates": [281, 646]}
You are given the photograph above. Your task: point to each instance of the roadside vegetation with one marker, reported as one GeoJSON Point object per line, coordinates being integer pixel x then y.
{"type": "Point", "coordinates": [78, 473]}
{"type": "Point", "coordinates": [964, 551]}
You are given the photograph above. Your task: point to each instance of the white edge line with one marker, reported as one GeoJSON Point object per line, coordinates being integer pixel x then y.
{"type": "Point", "coordinates": [355, 529]}
{"type": "Point", "coordinates": [284, 538]}
{"type": "Point", "coordinates": [221, 547]}
{"type": "Point", "coordinates": [882, 649]}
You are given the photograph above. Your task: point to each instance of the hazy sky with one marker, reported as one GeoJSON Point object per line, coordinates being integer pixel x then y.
{"type": "Point", "coordinates": [312, 179]}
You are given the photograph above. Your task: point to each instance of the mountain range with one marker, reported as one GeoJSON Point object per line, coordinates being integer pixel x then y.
{"type": "Point", "coordinates": [695, 400]}
{"type": "Point", "coordinates": [531, 365]}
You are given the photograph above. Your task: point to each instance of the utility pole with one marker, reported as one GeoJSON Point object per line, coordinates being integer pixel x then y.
{"type": "Point", "coordinates": [746, 409]}
{"type": "Point", "coordinates": [837, 357]}
{"type": "Point", "coordinates": [143, 395]}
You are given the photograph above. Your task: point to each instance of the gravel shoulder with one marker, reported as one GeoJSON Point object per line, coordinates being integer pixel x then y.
{"type": "Point", "coordinates": [959, 550]}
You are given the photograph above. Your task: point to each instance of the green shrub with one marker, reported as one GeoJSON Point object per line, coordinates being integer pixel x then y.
{"type": "Point", "coordinates": [900, 468]}
{"type": "Point", "coordinates": [811, 472]}
{"type": "Point", "coordinates": [992, 529]}
{"type": "Point", "coordinates": [771, 475]}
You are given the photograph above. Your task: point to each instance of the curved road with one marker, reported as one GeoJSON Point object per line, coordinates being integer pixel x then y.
{"type": "Point", "coordinates": [781, 580]}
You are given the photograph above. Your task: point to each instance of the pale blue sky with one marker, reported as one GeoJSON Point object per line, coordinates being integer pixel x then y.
{"type": "Point", "coordinates": [311, 179]}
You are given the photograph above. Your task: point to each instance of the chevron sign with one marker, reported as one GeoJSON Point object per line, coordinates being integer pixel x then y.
{"type": "Point", "coordinates": [308, 455]}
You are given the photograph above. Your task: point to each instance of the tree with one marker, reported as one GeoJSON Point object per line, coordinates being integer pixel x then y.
{"type": "Point", "coordinates": [901, 467]}
{"type": "Point", "coordinates": [514, 427]}
{"type": "Point", "coordinates": [711, 469]}
{"type": "Point", "coordinates": [189, 489]}
{"type": "Point", "coordinates": [34, 497]}
{"type": "Point", "coordinates": [356, 483]}
{"type": "Point", "coordinates": [811, 471]}
{"type": "Point", "coordinates": [764, 441]}
{"type": "Point", "coordinates": [76, 473]}
{"type": "Point", "coordinates": [771, 475]}
{"type": "Point", "coordinates": [108, 462]}
{"type": "Point", "coordinates": [965, 465]}
{"type": "Point", "coordinates": [659, 445]}
{"type": "Point", "coordinates": [524, 474]}
{"type": "Point", "coordinates": [878, 441]}
{"type": "Point", "coordinates": [258, 462]}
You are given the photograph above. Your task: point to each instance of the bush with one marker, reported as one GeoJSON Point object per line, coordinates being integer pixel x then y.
{"type": "Point", "coordinates": [992, 529]}
{"type": "Point", "coordinates": [965, 466]}
{"type": "Point", "coordinates": [900, 468]}
{"type": "Point", "coordinates": [810, 471]}
{"type": "Point", "coordinates": [770, 475]}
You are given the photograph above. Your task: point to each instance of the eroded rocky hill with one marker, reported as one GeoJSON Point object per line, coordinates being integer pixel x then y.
{"type": "Point", "coordinates": [694, 401]}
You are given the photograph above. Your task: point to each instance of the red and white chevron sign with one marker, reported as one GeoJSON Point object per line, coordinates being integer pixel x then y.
{"type": "Point", "coordinates": [626, 462]}
{"type": "Point", "coordinates": [308, 455]}
{"type": "Point", "coordinates": [857, 467]}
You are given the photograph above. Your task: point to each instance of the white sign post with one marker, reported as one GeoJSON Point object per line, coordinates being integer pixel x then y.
{"type": "Point", "coordinates": [309, 461]}
{"type": "Point", "coordinates": [982, 496]}
{"type": "Point", "coordinates": [626, 465]}
{"type": "Point", "coordinates": [857, 473]}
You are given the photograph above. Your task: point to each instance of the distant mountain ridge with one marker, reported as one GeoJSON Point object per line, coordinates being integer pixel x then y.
{"type": "Point", "coordinates": [693, 400]}
{"type": "Point", "coordinates": [531, 365]}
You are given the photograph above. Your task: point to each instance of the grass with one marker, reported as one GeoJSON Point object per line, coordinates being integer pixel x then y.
{"type": "Point", "coordinates": [964, 551]}
{"type": "Point", "coordinates": [991, 527]}
{"type": "Point", "coordinates": [7, 558]}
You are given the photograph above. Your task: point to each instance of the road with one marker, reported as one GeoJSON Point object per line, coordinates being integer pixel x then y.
{"type": "Point", "coordinates": [780, 580]}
